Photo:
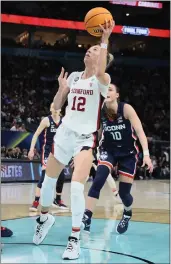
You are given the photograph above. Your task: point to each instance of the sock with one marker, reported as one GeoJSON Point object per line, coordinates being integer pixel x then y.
{"type": "Point", "coordinates": [127, 213]}
{"type": "Point", "coordinates": [58, 197]}
{"type": "Point", "coordinates": [37, 198]}
{"type": "Point", "coordinates": [43, 216]}
{"type": "Point", "coordinates": [88, 213]}
{"type": "Point", "coordinates": [75, 232]}
{"type": "Point", "coordinates": [77, 206]}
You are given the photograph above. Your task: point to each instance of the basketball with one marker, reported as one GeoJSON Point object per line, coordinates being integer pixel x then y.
{"type": "Point", "coordinates": [95, 17]}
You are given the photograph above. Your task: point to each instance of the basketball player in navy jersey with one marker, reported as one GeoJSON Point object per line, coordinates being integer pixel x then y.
{"type": "Point", "coordinates": [120, 129]}
{"type": "Point", "coordinates": [49, 125]}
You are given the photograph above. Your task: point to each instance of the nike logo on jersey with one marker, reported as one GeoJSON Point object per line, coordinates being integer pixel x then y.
{"type": "Point", "coordinates": [131, 152]}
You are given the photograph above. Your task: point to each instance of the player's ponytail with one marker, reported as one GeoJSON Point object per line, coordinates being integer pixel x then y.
{"type": "Point", "coordinates": [110, 60]}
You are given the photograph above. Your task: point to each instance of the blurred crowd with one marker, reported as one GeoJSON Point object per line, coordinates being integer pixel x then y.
{"type": "Point", "coordinates": [17, 153]}
{"type": "Point", "coordinates": [29, 85]}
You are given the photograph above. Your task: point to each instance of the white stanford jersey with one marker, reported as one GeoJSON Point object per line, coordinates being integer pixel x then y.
{"type": "Point", "coordinates": [85, 100]}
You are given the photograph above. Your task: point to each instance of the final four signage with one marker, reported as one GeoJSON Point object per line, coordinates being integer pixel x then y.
{"type": "Point", "coordinates": [141, 31]}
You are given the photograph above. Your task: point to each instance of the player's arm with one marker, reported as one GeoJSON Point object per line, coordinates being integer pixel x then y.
{"type": "Point", "coordinates": [63, 90]}
{"type": "Point", "coordinates": [43, 124]}
{"type": "Point", "coordinates": [102, 63]}
{"type": "Point", "coordinates": [132, 116]}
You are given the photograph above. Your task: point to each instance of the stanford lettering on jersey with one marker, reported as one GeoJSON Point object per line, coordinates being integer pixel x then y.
{"type": "Point", "coordinates": [81, 91]}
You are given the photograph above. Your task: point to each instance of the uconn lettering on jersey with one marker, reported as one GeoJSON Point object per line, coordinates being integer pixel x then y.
{"type": "Point", "coordinates": [113, 128]}
{"type": "Point", "coordinates": [81, 91]}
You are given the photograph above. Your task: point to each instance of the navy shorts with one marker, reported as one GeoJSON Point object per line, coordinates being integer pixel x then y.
{"type": "Point", "coordinates": [126, 161]}
{"type": "Point", "coordinates": [46, 150]}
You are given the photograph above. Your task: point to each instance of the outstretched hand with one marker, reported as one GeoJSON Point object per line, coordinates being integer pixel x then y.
{"type": "Point", "coordinates": [107, 29]}
{"type": "Point", "coordinates": [62, 79]}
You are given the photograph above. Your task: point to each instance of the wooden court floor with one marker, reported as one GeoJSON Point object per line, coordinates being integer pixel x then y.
{"type": "Point", "coordinates": [151, 201]}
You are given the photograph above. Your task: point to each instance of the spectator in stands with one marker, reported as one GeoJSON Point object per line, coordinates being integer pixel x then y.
{"type": "Point", "coordinates": [24, 154]}
{"type": "Point", "coordinates": [36, 155]}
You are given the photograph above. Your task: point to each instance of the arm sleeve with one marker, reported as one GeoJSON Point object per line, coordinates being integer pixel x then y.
{"type": "Point", "coordinates": [104, 88]}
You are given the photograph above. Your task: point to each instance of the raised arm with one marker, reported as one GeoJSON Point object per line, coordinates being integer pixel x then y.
{"type": "Point", "coordinates": [101, 75]}
{"type": "Point", "coordinates": [43, 124]}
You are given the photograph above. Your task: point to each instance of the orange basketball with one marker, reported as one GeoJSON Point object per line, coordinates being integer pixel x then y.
{"type": "Point", "coordinates": [95, 17]}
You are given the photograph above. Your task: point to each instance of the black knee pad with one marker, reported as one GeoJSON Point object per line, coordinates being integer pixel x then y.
{"type": "Point", "coordinates": [60, 182]}
{"type": "Point", "coordinates": [100, 178]}
{"type": "Point", "coordinates": [124, 193]}
{"type": "Point", "coordinates": [39, 185]}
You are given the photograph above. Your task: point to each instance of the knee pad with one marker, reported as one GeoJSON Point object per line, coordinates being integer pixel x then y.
{"type": "Point", "coordinates": [47, 191]}
{"type": "Point", "coordinates": [99, 181]}
{"type": "Point", "coordinates": [39, 185]}
{"type": "Point", "coordinates": [124, 193]}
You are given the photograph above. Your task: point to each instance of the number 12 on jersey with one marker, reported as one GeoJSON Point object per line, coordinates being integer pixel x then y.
{"type": "Point", "coordinates": [116, 135]}
{"type": "Point", "coordinates": [78, 104]}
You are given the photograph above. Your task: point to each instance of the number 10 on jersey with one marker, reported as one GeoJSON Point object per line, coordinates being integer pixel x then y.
{"type": "Point", "coordinates": [116, 135]}
{"type": "Point", "coordinates": [78, 104]}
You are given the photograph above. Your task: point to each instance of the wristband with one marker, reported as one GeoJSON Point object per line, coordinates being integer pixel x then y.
{"type": "Point", "coordinates": [103, 45]}
{"type": "Point", "coordinates": [146, 153]}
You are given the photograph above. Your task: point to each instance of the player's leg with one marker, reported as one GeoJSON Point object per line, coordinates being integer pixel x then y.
{"type": "Point", "coordinates": [59, 187]}
{"type": "Point", "coordinates": [82, 165]}
{"type": "Point", "coordinates": [105, 165]}
{"type": "Point", "coordinates": [35, 203]}
{"type": "Point", "coordinates": [127, 169]}
{"type": "Point", "coordinates": [83, 158]}
{"type": "Point", "coordinates": [55, 164]}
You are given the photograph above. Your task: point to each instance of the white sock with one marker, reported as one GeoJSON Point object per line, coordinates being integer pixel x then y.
{"type": "Point", "coordinates": [129, 208]}
{"type": "Point", "coordinates": [77, 206]}
{"type": "Point", "coordinates": [47, 194]}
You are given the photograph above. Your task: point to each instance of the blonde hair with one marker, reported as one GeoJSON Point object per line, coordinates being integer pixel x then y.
{"type": "Point", "coordinates": [110, 60]}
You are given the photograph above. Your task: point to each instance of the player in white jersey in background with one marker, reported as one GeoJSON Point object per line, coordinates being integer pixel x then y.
{"type": "Point", "coordinates": [76, 137]}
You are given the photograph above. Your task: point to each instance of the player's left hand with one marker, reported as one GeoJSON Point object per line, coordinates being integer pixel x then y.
{"type": "Point", "coordinates": [147, 161]}
{"type": "Point", "coordinates": [107, 29]}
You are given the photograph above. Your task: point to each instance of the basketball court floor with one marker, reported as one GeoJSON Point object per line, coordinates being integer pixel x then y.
{"type": "Point", "coordinates": [146, 241]}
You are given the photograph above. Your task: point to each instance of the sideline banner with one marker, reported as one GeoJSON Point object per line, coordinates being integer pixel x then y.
{"type": "Point", "coordinates": [25, 171]}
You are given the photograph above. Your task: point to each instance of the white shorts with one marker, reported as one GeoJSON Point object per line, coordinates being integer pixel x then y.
{"type": "Point", "coordinates": [68, 144]}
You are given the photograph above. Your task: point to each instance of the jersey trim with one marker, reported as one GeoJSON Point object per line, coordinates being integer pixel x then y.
{"type": "Point", "coordinates": [43, 147]}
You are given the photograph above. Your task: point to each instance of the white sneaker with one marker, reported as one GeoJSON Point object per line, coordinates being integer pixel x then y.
{"type": "Point", "coordinates": [72, 250]}
{"type": "Point", "coordinates": [42, 228]}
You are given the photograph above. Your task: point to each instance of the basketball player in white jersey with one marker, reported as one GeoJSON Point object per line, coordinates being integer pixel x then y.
{"type": "Point", "coordinates": [76, 137]}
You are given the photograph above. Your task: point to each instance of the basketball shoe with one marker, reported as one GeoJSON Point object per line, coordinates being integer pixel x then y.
{"type": "Point", "coordinates": [42, 229]}
{"type": "Point", "coordinates": [6, 232]}
{"type": "Point", "coordinates": [123, 224]}
{"type": "Point", "coordinates": [72, 250]}
{"type": "Point", "coordinates": [59, 204]}
{"type": "Point", "coordinates": [34, 207]}
{"type": "Point", "coordinates": [86, 222]}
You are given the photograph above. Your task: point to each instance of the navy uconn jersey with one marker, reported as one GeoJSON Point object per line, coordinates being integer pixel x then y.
{"type": "Point", "coordinates": [117, 134]}
{"type": "Point", "coordinates": [48, 136]}
{"type": "Point", "coordinates": [118, 144]}
{"type": "Point", "coordinates": [50, 131]}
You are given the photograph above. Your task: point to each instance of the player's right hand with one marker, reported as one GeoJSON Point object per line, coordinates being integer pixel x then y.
{"type": "Point", "coordinates": [31, 154]}
{"type": "Point", "coordinates": [62, 79]}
